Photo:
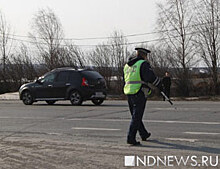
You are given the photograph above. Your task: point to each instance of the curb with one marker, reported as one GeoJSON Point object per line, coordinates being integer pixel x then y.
{"type": "Point", "coordinates": [10, 96]}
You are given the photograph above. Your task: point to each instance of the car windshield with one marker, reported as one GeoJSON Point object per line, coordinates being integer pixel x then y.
{"type": "Point", "coordinates": [48, 77]}
{"type": "Point", "coordinates": [43, 76]}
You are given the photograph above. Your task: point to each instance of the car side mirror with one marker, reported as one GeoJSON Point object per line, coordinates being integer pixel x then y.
{"type": "Point", "coordinates": [39, 81]}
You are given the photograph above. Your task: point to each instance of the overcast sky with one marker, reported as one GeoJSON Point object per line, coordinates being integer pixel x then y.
{"type": "Point", "coordinates": [86, 18]}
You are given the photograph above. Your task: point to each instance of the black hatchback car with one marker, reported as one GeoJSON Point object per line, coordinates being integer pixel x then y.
{"type": "Point", "coordinates": [65, 84]}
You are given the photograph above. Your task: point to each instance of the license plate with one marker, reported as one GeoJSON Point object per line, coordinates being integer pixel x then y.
{"type": "Point", "coordinates": [99, 94]}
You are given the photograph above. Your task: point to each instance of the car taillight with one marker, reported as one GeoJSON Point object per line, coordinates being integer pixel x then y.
{"type": "Point", "coordinates": [84, 82]}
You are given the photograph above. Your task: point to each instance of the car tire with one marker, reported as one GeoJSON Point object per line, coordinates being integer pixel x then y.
{"type": "Point", "coordinates": [75, 98]}
{"type": "Point", "coordinates": [97, 102]}
{"type": "Point", "coordinates": [27, 98]}
{"type": "Point", "coordinates": [50, 102]}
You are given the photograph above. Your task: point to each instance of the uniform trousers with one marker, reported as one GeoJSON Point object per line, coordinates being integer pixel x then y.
{"type": "Point", "coordinates": [137, 103]}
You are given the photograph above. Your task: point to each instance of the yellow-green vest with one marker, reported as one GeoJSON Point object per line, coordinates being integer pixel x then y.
{"type": "Point", "coordinates": [132, 78]}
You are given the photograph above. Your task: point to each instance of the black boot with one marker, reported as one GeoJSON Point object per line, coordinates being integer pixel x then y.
{"type": "Point", "coordinates": [134, 143]}
{"type": "Point", "coordinates": [146, 137]}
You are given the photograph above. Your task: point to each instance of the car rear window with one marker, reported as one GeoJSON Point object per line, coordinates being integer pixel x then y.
{"type": "Point", "coordinates": [91, 75]}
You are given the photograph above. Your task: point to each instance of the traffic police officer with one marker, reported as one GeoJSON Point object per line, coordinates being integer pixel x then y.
{"type": "Point", "coordinates": [137, 73]}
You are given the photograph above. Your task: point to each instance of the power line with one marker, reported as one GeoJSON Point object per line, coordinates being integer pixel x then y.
{"type": "Point", "coordinates": [92, 45]}
{"type": "Point", "coordinates": [108, 37]}
{"type": "Point", "coordinates": [90, 38]}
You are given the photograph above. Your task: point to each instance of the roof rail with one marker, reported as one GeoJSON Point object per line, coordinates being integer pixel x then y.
{"type": "Point", "coordinates": [63, 68]}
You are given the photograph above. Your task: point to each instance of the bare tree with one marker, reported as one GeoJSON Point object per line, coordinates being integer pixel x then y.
{"type": "Point", "coordinates": [110, 57]}
{"type": "Point", "coordinates": [48, 36]}
{"type": "Point", "coordinates": [20, 68]}
{"type": "Point", "coordinates": [102, 60]}
{"type": "Point", "coordinates": [27, 61]}
{"type": "Point", "coordinates": [75, 56]}
{"type": "Point", "coordinates": [208, 36]}
{"type": "Point", "coordinates": [119, 55]}
{"type": "Point", "coordinates": [174, 22]}
{"type": "Point", "coordinates": [5, 43]}
{"type": "Point", "coordinates": [158, 59]}
{"type": "Point", "coordinates": [5, 53]}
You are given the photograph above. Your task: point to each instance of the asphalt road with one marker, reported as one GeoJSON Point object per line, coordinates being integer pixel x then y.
{"type": "Point", "coordinates": [88, 136]}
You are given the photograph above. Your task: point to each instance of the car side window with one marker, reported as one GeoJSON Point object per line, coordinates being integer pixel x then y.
{"type": "Point", "coordinates": [75, 78]}
{"type": "Point", "coordinates": [49, 78]}
{"type": "Point", "coordinates": [63, 77]}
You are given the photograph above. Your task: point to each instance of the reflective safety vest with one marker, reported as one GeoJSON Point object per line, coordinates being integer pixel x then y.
{"type": "Point", "coordinates": [132, 78]}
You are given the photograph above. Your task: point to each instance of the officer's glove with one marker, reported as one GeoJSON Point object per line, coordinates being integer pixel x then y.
{"type": "Point", "coordinates": [147, 91]}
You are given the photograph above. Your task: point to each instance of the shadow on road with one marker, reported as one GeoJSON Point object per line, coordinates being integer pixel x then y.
{"type": "Point", "coordinates": [166, 145]}
{"type": "Point", "coordinates": [83, 105]}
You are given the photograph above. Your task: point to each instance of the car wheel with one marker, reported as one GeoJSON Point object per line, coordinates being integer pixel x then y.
{"type": "Point", "coordinates": [97, 102]}
{"type": "Point", "coordinates": [27, 98]}
{"type": "Point", "coordinates": [50, 102]}
{"type": "Point", "coordinates": [75, 98]}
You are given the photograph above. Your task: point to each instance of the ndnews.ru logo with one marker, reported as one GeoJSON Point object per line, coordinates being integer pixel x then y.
{"type": "Point", "coordinates": [171, 161]}
{"type": "Point", "coordinates": [129, 161]}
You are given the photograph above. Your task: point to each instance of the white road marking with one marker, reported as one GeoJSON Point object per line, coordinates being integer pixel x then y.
{"type": "Point", "coordinates": [182, 139]}
{"type": "Point", "coordinates": [89, 119]}
{"type": "Point", "coordinates": [149, 121]}
{"type": "Point", "coordinates": [182, 109]}
{"type": "Point", "coordinates": [183, 122]}
{"type": "Point", "coordinates": [202, 133]}
{"type": "Point", "coordinates": [38, 118]}
{"type": "Point", "coordinates": [99, 129]}
{"type": "Point", "coordinates": [58, 134]}
{"type": "Point", "coordinates": [117, 120]}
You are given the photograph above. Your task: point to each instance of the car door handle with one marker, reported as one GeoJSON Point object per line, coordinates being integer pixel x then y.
{"type": "Point", "coordinates": [50, 85]}
{"type": "Point", "coordinates": [68, 84]}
